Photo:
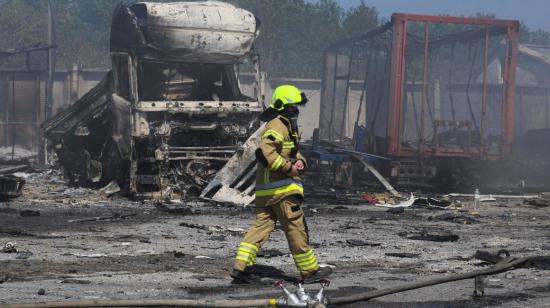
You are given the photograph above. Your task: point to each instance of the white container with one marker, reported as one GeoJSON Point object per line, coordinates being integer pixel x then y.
{"type": "Point", "coordinates": [476, 199]}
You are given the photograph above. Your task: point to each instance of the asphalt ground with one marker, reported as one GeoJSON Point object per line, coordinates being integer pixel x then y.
{"type": "Point", "coordinates": [145, 251]}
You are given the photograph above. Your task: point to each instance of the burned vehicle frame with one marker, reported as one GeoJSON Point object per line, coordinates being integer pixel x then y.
{"type": "Point", "coordinates": [170, 113]}
{"type": "Point", "coordinates": [436, 98]}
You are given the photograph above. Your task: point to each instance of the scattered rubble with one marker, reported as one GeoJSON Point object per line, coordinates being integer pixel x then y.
{"type": "Point", "coordinates": [270, 253]}
{"type": "Point", "coordinates": [402, 254]}
{"type": "Point", "coordinates": [432, 236]}
{"type": "Point", "coordinates": [355, 242]}
{"type": "Point", "coordinates": [111, 188]}
{"type": "Point", "coordinates": [75, 281]}
{"type": "Point", "coordinates": [23, 255]}
{"type": "Point", "coordinates": [538, 203]}
{"type": "Point", "coordinates": [215, 228]}
{"type": "Point", "coordinates": [9, 247]}
{"type": "Point", "coordinates": [11, 186]}
{"type": "Point", "coordinates": [114, 216]}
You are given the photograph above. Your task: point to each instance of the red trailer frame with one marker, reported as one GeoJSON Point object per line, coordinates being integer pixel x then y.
{"type": "Point", "coordinates": [397, 84]}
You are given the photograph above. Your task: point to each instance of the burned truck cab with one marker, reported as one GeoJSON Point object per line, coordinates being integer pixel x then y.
{"type": "Point", "coordinates": [176, 113]}
{"type": "Point", "coordinates": [175, 75]}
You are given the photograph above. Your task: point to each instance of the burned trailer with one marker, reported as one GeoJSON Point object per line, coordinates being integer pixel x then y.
{"type": "Point", "coordinates": [433, 95]}
{"type": "Point", "coordinates": [170, 113]}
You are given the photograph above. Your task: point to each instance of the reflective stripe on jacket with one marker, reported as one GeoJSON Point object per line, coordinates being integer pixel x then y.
{"type": "Point", "coordinates": [272, 181]}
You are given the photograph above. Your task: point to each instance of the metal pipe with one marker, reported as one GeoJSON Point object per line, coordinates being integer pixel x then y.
{"type": "Point", "coordinates": [200, 158]}
{"type": "Point", "coordinates": [424, 88]}
{"type": "Point", "coordinates": [346, 96]}
{"type": "Point", "coordinates": [74, 83]}
{"type": "Point", "coordinates": [484, 94]}
{"type": "Point", "coordinates": [397, 78]}
{"type": "Point", "coordinates": [51, 58]}
{"type": "Point", "coordinates": [547, 107]}
{"type": "Point", "coordinates": [223, 147]}
{"type": "Point", "coordinates": [510, 82]}
{"type": "Point", "coordinates": [330, 130]}
{"type": "Point", "coordinates": [12, 116]}
{"type": "Point", "coordinates": [48, 106]}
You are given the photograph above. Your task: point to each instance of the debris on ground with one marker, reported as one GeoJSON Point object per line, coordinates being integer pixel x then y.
{"type": "Point", "coordinates": [355, 242]}
{"type": "Point", "coordinates": [433, 236]}
{"type": "Point", "coordinates": [174, 208]}
{"type": "Point", "coordinates": [389, 200]}
{"type": "Point", "coordinates": [492, 258]}
{"type": "Point", "coordinates": [270, 253]}
{"type": "Point", "coordinates": [75, 281]}
{"type": "Point", "coordinates": [114, 216]}
{"type": "Point", "coordinates": [178, 254]}
{"type": "Point", "coordinates": [402, 254]}
{"type": "Point", "coordinates": [215, 228]}
{"type": "Point", "coordinates": [23, 255]}
{"type": "Point", "coordinates": [538, 262]}
{"type": "Point", "coordinates": [110, 189]}
{"type": "Point", "coordinates": [11, 186]}
{"type": "Point", "coordinates": [9, 247]}
{"type": "Point", "coordinates": [538, 203]}
{"type": "Point", "coordinates": [432, 202]}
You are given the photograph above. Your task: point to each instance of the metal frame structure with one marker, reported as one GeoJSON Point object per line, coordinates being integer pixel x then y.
{"type": "Point", "coordinates": [39, 74]}
{"type": "Point", "coordinates": [388, 59]}
{"type": "Point", "coordinates": [397, 85]}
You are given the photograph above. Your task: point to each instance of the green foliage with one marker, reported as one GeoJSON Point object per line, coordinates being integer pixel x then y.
{"type": "Point", "coordinates": [83, 30]}
{"type": "Point", "coordinates": [536, 37]}
{"type": "Point", "coordinates": [361, 19]}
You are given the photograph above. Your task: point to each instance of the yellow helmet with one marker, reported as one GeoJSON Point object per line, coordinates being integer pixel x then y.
{"type": "Point", "coordinates": [287, 95]}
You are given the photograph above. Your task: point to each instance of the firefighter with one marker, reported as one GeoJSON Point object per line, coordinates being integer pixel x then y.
{"type": "Point", "coordinates": [279, 190]}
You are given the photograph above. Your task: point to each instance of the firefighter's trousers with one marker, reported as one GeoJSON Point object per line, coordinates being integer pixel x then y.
{"type": "Point", "coordinates": [291, 216]}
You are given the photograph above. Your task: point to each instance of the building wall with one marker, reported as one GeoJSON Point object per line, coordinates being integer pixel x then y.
{"type": "Point", "coordinates": [23, 97]}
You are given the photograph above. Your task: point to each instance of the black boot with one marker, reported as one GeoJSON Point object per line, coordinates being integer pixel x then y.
{"type": "Point", "coordinates": [243, 277]}
{"type": "Point", "coordinates": [322, 272]}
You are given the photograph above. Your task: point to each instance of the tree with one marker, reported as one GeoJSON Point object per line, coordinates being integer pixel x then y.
{"type": "Point", "coordinates": [293, 33]}
{"type": "Point", "coordinates": [361, 19]}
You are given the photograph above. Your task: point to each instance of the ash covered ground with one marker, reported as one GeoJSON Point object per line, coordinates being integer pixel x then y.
{"type": "Point", "coordinates": [147, 251]}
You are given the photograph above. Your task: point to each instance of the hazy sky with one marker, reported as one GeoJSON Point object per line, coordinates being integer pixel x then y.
{"type": "Point", "coordinates": [534, 13]}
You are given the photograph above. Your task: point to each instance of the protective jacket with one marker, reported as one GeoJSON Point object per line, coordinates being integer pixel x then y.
{"type": "Point", "coordinates": [277, 152]}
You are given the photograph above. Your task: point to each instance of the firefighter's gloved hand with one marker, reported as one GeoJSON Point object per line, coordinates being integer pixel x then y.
{"type": "Point", "coordinates": [293, 171]}
{"type": "Point", "coordinates": [299, 164]}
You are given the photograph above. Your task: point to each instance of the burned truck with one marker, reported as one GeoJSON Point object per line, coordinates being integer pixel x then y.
{"type": "Point", "coordinates": [170, 113]}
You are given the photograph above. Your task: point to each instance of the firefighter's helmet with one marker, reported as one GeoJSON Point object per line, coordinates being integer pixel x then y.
{"type": "Point", "coordinates": [287, 95]}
